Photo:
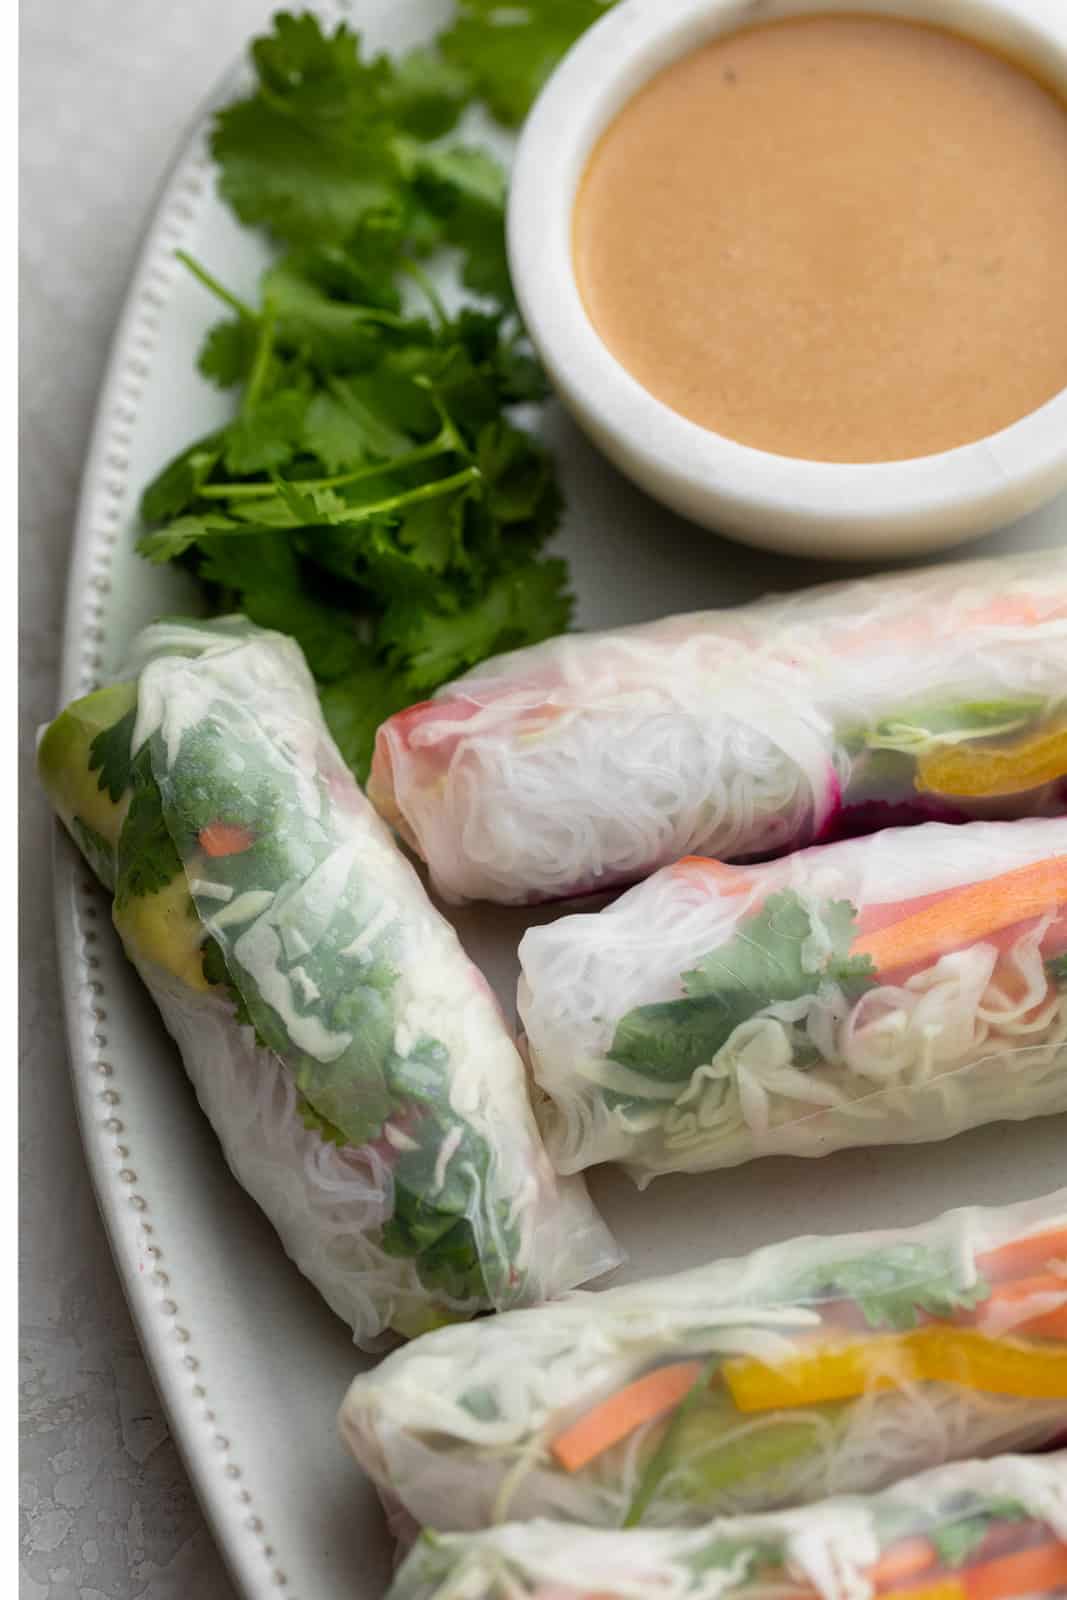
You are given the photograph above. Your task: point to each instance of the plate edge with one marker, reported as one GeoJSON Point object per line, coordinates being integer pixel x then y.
{"type": "Point", "coordinates": [240, 1536]}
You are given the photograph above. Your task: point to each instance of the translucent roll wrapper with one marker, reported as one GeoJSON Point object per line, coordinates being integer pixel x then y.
{"type": "Point", "coordinates": [978, 1530]}
{"type": "Point", "coordinates": [816, 1367]}
{"type": "Point", "coordinates": [590, 760]}
{"type": "Point", "coordinates": [881, 990]}
{"type": "Point", "coordinates": [351, 1059]}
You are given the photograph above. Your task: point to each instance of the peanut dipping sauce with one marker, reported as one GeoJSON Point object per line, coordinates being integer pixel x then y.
{"type": "Point", "coordinates": [839, 238]}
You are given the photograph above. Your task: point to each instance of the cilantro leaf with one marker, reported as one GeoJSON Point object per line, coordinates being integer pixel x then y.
{"type": "Point", "coordinates": [172, 541]}
{"type": "Point", "coordinates": [781, 952]}
{"type": "Point", "coordinates": [1057, 969]}
{"type": "Point", "coordinates": [333, 332]}
{"type": "Point", "coordinates": [266, 437]}
{"type": "Point", "coordinates": [147, 857]}
{"type": "Point", "coordinates": [334, 432]}
{"type": "Point", "coordinates": [523, 605]}
{"type": "Point", "coordinates": [265, 572]}
{"type": "Point", "coordinates": [228, 351]}
{"type": "Point", "coordinates": [777, 954]}
{"type": "Point", "coordinates": [509, 49]}
{"type": "Point", "coordinates": [357, 704]}
{"type": "Point", "coordinates": [110, 756]}
{"type": "Point", "coordinates": [309, 153]}
{"type": "Point", "coordinates": [327, 1131]}
{"type": "Point", "coordinates": [177, 486]}
{"type": "Point", "coordinates": [465, 190]}
{"type": "Point", "coordinates": [426, 94]}
{"type": "Point", "coordinates": [669, 1040]}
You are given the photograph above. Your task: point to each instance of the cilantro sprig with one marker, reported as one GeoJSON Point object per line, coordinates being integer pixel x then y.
{"type": "Point", "coordinates": [376, 494]}
{"type": "Point", "coordinates": [893, 1284]}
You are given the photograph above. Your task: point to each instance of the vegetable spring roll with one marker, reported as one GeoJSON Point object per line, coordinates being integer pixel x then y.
{"type": "Point", "coordinates": [590, 760]}
{"type": "Point", "coordinates": [884, 990]}
{"type": "Point", "coordinates": [815, 1367]}
{"type": "Point", "coordinates": [978, 1530]}
{"type": "Point", "coordinates": [351, 1059]}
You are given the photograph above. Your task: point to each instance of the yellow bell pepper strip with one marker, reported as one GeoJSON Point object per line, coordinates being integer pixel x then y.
{"type": "Point", "coordinates": [985, 770]}
{"type": "Point", "coordinates": [962, 1356]}
{"type": "Point", "coordinates": [968, 915]}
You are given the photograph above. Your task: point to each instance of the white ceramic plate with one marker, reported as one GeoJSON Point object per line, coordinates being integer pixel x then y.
{"type": "Point", "coordinates": [250, 1364]}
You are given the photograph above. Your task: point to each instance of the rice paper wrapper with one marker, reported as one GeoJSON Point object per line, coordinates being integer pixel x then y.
{"type": "Point", "coordinates": [882, 990]}
{"type": "Point", "coordinates": [590, 760]}
{"type": "Point", "coordinates": [991, 1528]}
{"type": "Point", "coordinates": [352, 1060]}
{"type": "Point", "coordinates": [816, 1367]}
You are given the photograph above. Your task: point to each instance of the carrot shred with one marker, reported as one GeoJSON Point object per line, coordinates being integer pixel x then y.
{"type": "Point", "coordinates": [1052, 1325]}
{"type": "Point", "coordinates": [644, 1401]}
{"type": "Point", "coordinates": [706, 870]}
{"type": "Point", "coordinates": [968, 915]}
{"type": "Point", "coordinates": [1047, 1324]}
{"type": "Point", "coordinates": [225, 839]}
{"type": "Point", "coordinates": [1041, 1570]}
{"type": "Point", "coordinates": [1019, 1257]}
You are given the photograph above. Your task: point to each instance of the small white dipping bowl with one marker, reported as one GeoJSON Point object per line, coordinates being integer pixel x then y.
{"type": "Point", "coordinates": [779, 502]}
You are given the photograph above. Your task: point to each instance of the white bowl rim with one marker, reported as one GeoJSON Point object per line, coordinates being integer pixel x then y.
{"type": "Point", "coordinates": [601, 72]}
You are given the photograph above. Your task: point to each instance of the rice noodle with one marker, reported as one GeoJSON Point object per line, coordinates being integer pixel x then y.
{"type": "Point", "coordinates": [590, 760]}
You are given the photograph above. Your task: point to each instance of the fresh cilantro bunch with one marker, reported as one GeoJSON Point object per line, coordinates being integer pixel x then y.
{"type": "Point", "coordinates": [375, 495]}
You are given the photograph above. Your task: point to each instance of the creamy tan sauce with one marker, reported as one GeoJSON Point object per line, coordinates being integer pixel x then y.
{"type": "Point", "coordinates": [841, 238]}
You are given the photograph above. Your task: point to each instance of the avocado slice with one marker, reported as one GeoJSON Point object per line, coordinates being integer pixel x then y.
{"type": "Point", "coordinates": [708, 1460]}
{"type": "Point", "coordinates": [164, 929]}
{"type": "Point", "coordinates": [161, 928]}
{"type": "Point", "coordinates": [63, 757]}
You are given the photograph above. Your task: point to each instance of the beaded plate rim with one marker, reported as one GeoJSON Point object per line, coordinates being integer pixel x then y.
{"type": "Point", "coordinates": [196, 1419]}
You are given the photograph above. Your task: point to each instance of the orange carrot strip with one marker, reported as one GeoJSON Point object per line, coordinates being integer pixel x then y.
{"type": "Point", "coordinates": [225, 839]}
{"type": "Point", "coordinates": [1021, 1256]}
{"type": "Point", "coordinates": [969, 915]}
{"type": "Point", "coordinates": [905, 1560]}
{"type": "Point", "coordinates": [873, 918]}
{"type": "Point", "coordinates": [1041, 1570]}
{"type": "Point", "coordinates": [650, 1397]}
